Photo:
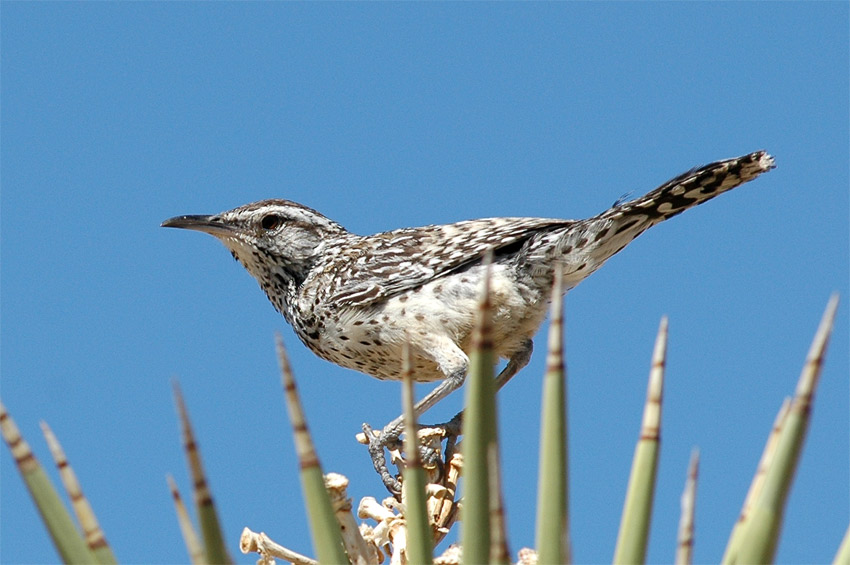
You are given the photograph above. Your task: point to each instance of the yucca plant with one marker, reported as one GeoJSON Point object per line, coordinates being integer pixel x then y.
{"type": "Point", "coordinates": [753, 539]}
{"type": "Point", "coordinates": [408, 528]}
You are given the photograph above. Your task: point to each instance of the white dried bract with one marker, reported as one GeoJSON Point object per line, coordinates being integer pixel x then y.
{"type": "Point", "coordinates": [253, 542]}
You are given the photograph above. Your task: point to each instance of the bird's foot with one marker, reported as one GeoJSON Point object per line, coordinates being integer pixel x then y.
{"type": "Point", "coordinates": [376, 442]}
{"type": "Point", "coordinates": [430, 448]}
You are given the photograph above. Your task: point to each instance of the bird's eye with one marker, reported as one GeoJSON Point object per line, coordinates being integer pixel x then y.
{"type": "Point", "coordinates": [271, 221]}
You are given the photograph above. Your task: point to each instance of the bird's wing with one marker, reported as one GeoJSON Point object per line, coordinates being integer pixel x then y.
{"type": "Point", "coordinates": [385, 264]}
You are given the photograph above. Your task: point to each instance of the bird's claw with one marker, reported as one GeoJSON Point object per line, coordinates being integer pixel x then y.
{"type": "Point", "coordinates": [377, 443]}
{"type": "Point", "coordinates": [390, 438]}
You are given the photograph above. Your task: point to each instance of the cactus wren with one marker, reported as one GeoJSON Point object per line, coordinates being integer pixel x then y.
{"type": "Point", "coordinates": [353, 300]}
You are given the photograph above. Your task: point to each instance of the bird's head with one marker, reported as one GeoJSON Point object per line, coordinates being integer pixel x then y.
{"type": "Point", "coordinates": [277, 241]}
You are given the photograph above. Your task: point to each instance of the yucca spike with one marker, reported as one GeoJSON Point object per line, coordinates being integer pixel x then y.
{"type": "Point", "coordinates": [92, 532]}
{"type": "Point", "coordinates": [327, 539]}
{"type": "Point", "coordinates": [214, 546]}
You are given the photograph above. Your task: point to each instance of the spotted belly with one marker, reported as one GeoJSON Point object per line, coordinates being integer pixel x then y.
{"type": "Point", "coordinates": [437, 321]}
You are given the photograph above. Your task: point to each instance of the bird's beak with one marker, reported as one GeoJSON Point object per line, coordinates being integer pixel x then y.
{"type": "Point", "coordinates": [207, 224]}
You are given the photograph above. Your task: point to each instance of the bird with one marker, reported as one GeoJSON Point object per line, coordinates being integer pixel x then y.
{"type": "Point", "coordinates": [354, 300]}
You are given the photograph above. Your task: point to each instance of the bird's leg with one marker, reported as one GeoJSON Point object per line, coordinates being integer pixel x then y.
{"type": "Point", "coordinates": [379, 461]}
{"type": "Point", "coordinates": [519, 360]}
{"type": "Point", "coordinates": [453, 382]}
{"type": "Point", "coordinates": [516, 363]}
{"type": "Point", "coordinates": [389, 436]}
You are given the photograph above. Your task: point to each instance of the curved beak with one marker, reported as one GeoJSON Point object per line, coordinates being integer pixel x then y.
{"type": "Point", "coordinates": [207, 224]}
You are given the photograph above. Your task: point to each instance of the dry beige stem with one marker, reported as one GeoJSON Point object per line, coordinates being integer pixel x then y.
{"type": "Point", "coordinates": [370, 544]}
{"type": "Point", "coordinates": [252, 542]}
{"type": "Point", "coordinates": [359, 551]}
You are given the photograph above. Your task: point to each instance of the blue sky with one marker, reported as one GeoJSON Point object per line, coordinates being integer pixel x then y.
{"type": "Point", "coordinates": [116, 116]}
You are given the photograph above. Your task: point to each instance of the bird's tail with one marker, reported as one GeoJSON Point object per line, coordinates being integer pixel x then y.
{"type": "Point", "coordinates": [604, 235]}
{"type": "Point", "coordinates": [689, 189]}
